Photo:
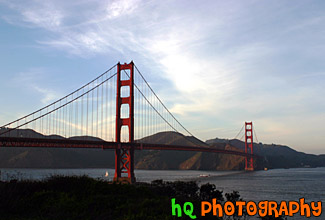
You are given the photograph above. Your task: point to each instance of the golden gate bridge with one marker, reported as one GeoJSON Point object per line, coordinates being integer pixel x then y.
{"type": "Point", "coordinates": [117, 110]}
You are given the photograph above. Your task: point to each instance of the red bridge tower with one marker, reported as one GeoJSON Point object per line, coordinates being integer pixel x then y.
{"type": "Point", "coordinates": [249, 162]}
{"type": "Point", "coordinates": [124, 155]}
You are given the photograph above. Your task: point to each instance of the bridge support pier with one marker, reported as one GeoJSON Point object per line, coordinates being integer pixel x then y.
{"type": "Point", "coordinates": [124, 163]}
{"type": "Point", "coordinates": [249, 162]}
{"type": "Point", "coordinates": [124, 155]}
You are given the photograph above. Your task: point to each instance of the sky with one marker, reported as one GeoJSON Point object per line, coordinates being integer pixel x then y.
{"type": "Point", "coordinates": [226, 62]}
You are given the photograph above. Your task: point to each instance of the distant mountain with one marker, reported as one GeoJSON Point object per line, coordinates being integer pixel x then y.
{"type": "Point", "coordinates": [53, 157]}
{"type": "Point", "coordinates": [272, 156]}
{"type": "Point", "coordinates": [185, 160]}
{"type": "Point", "coordinates": [277, 156]}
{"type": "Point", "coordinates": [166, 159]}
{"type": "Point", "coordinates": [149, 159]}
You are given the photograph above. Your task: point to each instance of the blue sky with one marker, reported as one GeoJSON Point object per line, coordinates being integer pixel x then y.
{"type": "Point", "coordinates": [225, 62]}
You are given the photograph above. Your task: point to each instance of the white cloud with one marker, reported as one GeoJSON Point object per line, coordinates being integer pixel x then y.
{"type": "Point", "coordinates": [33, 80]}
{"type": "Point", "coordinates": [48, 94]}
{"type": "Point", "coordinates": [121, 7]}
{"type": "Point", "coordinates": [42, 14]}
{"type": "Point", "coordinates": [47, 18]}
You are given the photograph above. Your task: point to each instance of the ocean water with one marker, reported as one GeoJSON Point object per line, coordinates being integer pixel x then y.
{"type": "Point", "coordinates": [278, 184]}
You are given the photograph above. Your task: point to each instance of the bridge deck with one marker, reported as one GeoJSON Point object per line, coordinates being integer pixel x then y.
{"type": "Point", "coordinates": [68, 143]}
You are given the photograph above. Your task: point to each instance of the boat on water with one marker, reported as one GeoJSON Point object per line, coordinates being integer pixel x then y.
{"type": "Point", "coordinates": [204, 175]}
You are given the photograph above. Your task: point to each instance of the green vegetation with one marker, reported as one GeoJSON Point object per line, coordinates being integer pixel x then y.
{"type": "Point", "coordinates": [86, 198]}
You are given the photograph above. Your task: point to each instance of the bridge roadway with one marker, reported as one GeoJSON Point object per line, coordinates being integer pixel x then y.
{"type": "Point", "coordinates": [68, 143]}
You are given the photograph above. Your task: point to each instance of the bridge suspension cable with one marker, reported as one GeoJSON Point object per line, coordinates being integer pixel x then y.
{"type": "Point", "coordinates": [240, 132]}
{"type": "Point", "coordinates": [59, 100]}
{"type": "Point", "coordinates": [158, 108]}
{"type": "Point", "coordinates": [255, 135]}
{"type": "Point", "coordinates": [90, 111]}
{"type": "Point", "coordinates": [162, 102]}
{"type": "Point", "coordinates": [67, 116]}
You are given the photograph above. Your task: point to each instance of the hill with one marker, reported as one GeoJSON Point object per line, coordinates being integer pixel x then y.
{"type": "Point", "coordinates": [273, 156]}
{"type": "Point", "coordinates": [90, 158]}
{"type": "Point", "coordinates": [277, 156]}
{"type": "Point", "coordinates": [52, 157]}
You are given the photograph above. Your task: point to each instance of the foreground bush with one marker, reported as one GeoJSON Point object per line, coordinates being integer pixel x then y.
{"type": "Point", "coordinates": [86, 198]}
